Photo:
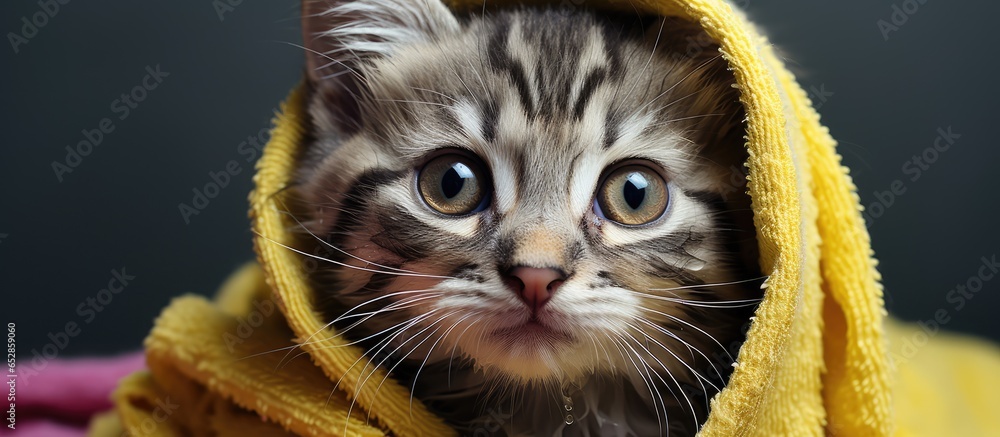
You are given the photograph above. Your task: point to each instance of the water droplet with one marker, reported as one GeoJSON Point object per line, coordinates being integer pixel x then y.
{"type": "Point", "coordinates": [695, 265]}
{"type": "Point", "coordinates": [567, 391]}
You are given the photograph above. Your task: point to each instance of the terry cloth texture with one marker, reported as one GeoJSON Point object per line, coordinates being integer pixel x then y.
{"type": "Point", "coordinates": [816, 360]}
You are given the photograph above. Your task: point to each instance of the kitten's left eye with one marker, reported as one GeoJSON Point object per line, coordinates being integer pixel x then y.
{"type": "Point", "coordinates": [454, 184]}
{"type": "Point", "coordinates": [632, 195]}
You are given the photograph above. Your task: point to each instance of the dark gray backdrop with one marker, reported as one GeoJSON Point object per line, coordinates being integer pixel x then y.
{"type": "Point", "coordinates": [61, 241]}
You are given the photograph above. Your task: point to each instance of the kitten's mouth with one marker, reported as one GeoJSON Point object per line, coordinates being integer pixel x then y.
{"type": "Point", "coordinates": [527, 349]}
{"type": "Point", "coordinates": [532, 332]}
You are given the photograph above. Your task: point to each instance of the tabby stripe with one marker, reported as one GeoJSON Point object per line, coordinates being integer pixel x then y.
{"type": "Point", "coordinates": [504, 252]}
{"type": "Point", "coordinates": [612, 45]}
{"type": "Point", "coordinates": [574, 252]}
{"type": "Point", "coordinates": [501, 61]}
{"type": "Point", "coordinates": [468, 271]}
{"type": "Point", "coordinates": [733, 244]}
{"type": "Point", "coordinates": [675, 273]}
{"type": "Point", "coordinates": [614, 70]}
{"type": "Point", "coordinates": [403, 234]}
{"type": "Point", "coordinates": [541, 85]}
{"type": "Point", "coordinates": [376, 284]}
{"type": "Point", "coordinates": [590, 84]}
{"type": "Point", "coordinates": [712, 200]}
{"type": "Point", "coordinates": [355, 205]}
{"type": "Point", "coordinates": [490, 114]}
{"type": "Point", "coordinates": [611, 128]}
{"type": "Point", "coordinates": [676, 244]}
{"type": "Point", "coordinates": [521, 170]}
{"type": "Point", "coordinates": [572, 172]}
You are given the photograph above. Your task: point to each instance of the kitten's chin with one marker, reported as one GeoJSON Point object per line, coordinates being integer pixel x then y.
{"type": "Point", "coordinates": [529, 352]}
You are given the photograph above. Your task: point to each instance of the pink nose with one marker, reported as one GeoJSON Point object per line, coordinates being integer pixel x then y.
{"type": "Point", "coordinates": [533, 285]}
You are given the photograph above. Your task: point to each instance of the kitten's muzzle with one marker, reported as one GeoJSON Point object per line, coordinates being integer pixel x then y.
{"type": "Point", "coordinates": [535, 286]}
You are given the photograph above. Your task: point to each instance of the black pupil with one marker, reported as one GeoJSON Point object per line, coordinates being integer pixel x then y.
{"type": "Point", "coordinates": [634, 195]}
{"type": "Point", "coordinates": [452, 182]}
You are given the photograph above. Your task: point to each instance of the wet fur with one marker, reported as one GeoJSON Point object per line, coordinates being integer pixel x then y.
{"type": "Point", "coordinates": [548, 99]}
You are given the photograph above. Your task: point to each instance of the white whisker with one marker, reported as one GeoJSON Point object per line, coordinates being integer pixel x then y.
{"type": "Point", "coordinates": [350, 266]}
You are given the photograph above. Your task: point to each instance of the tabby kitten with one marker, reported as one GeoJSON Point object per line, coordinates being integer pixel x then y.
{"type": "Point", "coordinates": [527, 216]}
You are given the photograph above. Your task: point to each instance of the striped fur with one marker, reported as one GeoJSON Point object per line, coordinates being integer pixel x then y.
{"type": "Point", "coordinates": [548, 100]}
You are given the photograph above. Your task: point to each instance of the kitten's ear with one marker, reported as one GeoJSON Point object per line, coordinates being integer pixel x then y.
{"type": "Point", "coordinates": [340, 35]}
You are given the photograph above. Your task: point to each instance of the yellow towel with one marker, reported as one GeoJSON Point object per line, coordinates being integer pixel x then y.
{"type": "Point", "coordinates": [816, 360]}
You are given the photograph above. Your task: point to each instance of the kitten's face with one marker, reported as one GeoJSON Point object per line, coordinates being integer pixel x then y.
{"type": "Point", "coordinates": [527, 191]}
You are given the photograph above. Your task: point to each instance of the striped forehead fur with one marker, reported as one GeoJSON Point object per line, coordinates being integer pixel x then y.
{"type": "Point", "coordinates": [548, 100]}
{"type": "Point", "coordinates": [414, 95]}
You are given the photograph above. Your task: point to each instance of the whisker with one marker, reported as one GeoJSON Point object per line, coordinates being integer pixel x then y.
{"type": "Point", "coordinates": [653, 393]}
{"type": "Point", "coordinates": [691, 349]}
{"type": "Point", "coordinates": [723, 304]}
{"type": "Point", "coordinates": [413, 388]}
{"type": "Point", "coordinates": [401, 359]}
{"type": "Point", "coordinates": [684, 363]}
{"type": "Point", "coordinates": [717, 284]}
{"type": "Point", "coordinates": [435, 93]}
{"type": "Point", "coordinates": [670, 375]}
{"type": "Point", "coordinates": [332, 61]}
{"type": "Point", "coordinates": [675, 120]}
{"type": "Point", "coordinates": [352, 342]}
{"type": "Point", "coordinates": [455, 346]}
{"type": "Point", "coordinates": [671, 103]}
{"type": "Point", "coordinates": [402, 305]}
{"type": "Point", "coordinates": [692, 326]}
{"type": "Point", "coordinates": [309, 340]}
{"type": "Point", "coordinates": [386, 342]}
{"type": "Point", "coordinates": [649, 61]}
{"type": "Point", "coordinates": [419, 102]}
{"type": "Point", "coordinates": [370, 301]}
{"type": "Point", "coordinates": [683, 79]}
{"type": "Point", "coordinates": [339, 249]}
{"type": "Point", "coordinates": [317, 257]}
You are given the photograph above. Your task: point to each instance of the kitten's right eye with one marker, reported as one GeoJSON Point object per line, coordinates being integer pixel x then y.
{"type": "Point", "coordinates": [454, 184]}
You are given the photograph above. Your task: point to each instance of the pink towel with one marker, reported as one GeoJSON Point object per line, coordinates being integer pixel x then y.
{"type": "Point", "coordinates": [60, 398]}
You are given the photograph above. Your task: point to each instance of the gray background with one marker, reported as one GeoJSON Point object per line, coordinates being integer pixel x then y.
{"type": "Point", "coordinates": [883, 99]}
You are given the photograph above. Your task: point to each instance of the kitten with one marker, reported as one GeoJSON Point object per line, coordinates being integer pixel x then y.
{"type": "Point", "coordinates": [528, 215]}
